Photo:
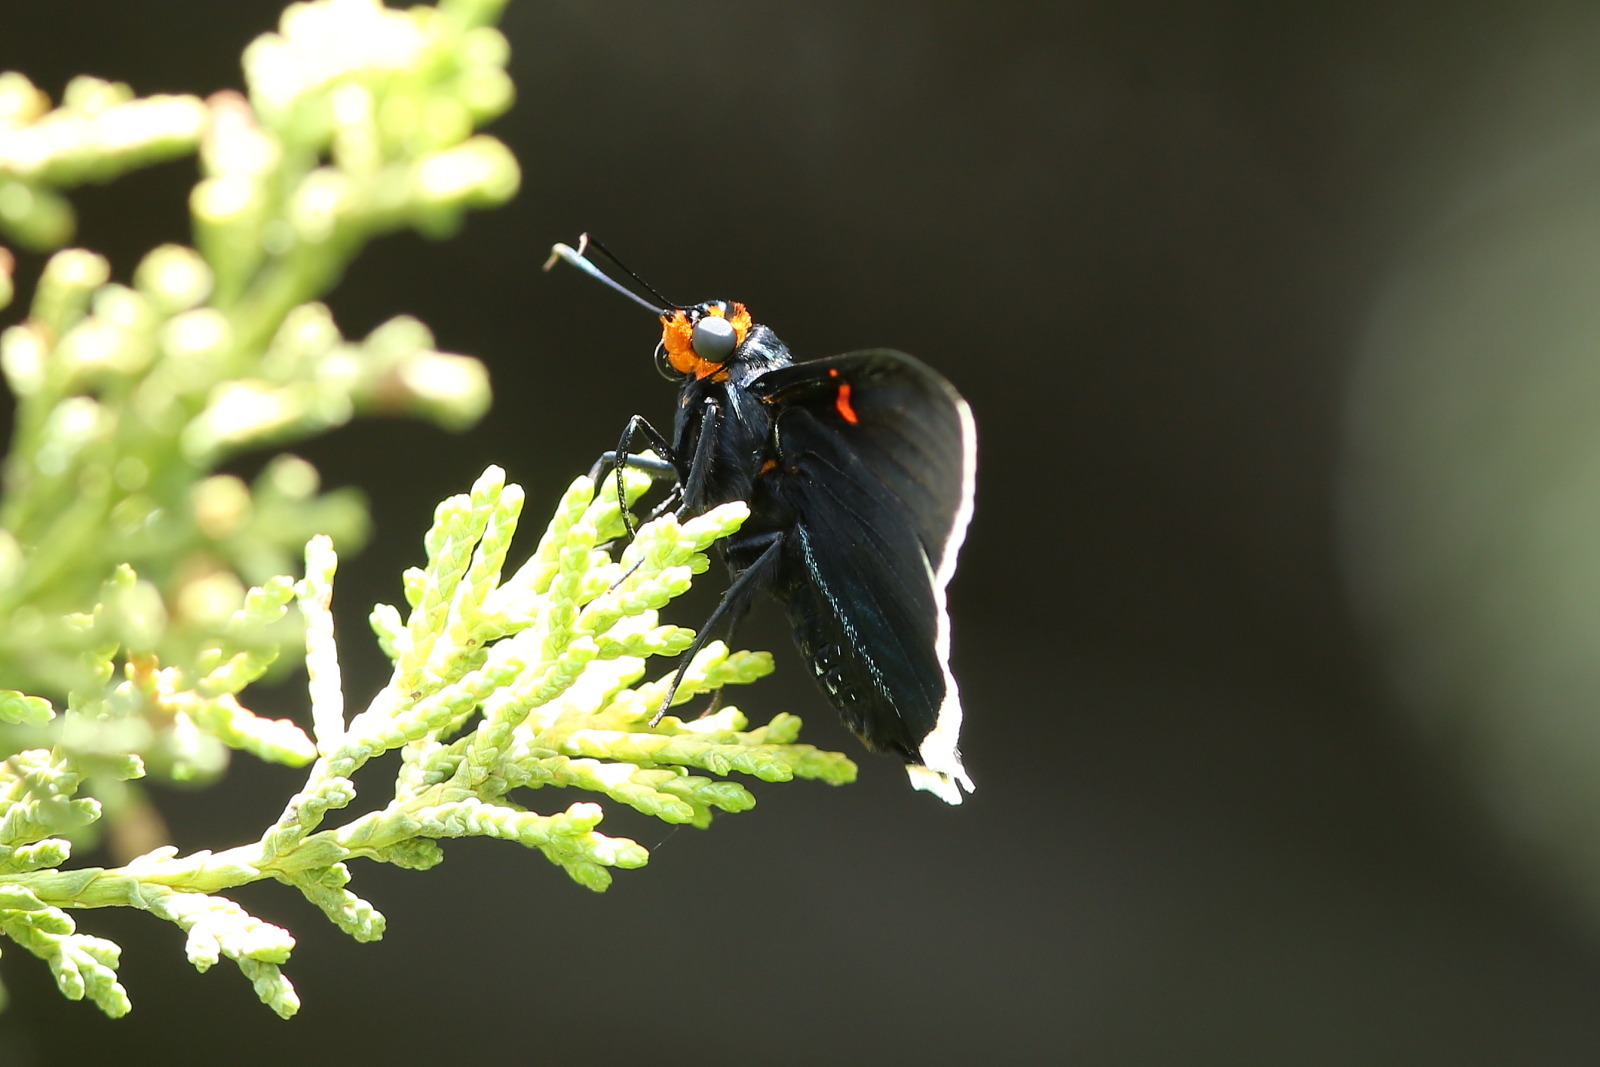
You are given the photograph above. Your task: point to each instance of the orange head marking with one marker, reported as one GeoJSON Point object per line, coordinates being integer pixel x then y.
{"type": "Point", "coordinates": [699, 347]}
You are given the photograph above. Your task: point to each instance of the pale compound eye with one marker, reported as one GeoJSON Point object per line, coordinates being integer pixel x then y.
{"type": "Point", "coordinates": [714, 339]}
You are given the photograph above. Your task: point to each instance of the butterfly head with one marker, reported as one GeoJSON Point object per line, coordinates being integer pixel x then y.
{"type": "Point", "coordinates": [700, 339]}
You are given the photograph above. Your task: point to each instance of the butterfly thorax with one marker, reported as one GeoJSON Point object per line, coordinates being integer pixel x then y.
{"type": "Point", "coordinates": [741, 442]}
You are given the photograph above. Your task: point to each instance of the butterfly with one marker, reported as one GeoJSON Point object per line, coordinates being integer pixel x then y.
{"type": "Point", "coordinates": [859, 471]}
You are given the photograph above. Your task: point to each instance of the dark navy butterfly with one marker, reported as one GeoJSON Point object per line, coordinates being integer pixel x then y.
{"type": "Point", "coordinates": [859, 472]}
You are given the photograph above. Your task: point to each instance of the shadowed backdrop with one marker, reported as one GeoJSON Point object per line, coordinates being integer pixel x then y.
{"type": "Point", "coordinates": [1267, 771]}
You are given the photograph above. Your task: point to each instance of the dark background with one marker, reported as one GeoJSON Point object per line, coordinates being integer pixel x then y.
{"type": "Point", "coordinates": [1144, 240]}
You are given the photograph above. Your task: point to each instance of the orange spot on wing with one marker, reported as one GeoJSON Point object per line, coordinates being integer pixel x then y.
{"type": "Point", "coordinates": [842, 404]}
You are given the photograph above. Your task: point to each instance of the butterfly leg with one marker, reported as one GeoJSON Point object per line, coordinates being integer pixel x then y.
{"type": "Point", "coordinates": [666, 466]}
{"type": "Point", "coordinates": [693, 485]}
{"type": "Point", "coordinates": [734, 603]}
{"type": "Point", "coordinates": [735, 617]}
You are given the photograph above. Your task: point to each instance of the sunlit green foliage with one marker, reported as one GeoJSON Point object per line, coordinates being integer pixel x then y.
{"type": "Point", "coordinates": [143, 588]}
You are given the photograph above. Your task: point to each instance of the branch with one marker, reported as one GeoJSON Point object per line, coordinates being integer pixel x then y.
{"type": "Point", "coordinates": [497, 685]}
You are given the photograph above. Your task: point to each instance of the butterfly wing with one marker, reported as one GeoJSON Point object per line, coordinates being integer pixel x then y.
{"type": "Point", "coordinates": [876, 456]}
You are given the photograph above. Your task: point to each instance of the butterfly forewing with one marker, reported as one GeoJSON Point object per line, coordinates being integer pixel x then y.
{"type": "Point", "coordinates": [904, 421]}
{"type": "Point", "coordinates": [874, 462]}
